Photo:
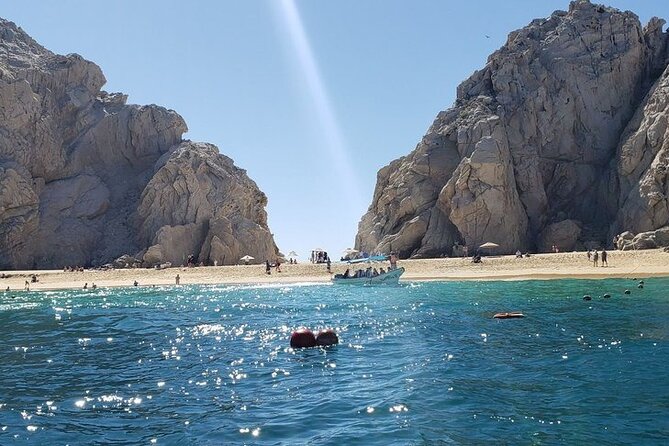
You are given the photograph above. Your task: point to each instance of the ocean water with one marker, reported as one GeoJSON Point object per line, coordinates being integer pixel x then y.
{"type": "Point", "coordinates": [417, 364]}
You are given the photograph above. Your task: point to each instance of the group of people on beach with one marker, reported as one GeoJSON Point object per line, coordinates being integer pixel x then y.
{"type": "Point", "coordinates": [268, 266]}
{"type": "Point", "coordinates": [594, 256]}
{"type": "Point", "coordinates": [73, 269]}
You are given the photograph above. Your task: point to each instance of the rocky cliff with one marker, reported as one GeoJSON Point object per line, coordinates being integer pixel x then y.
{"type": "Point", "coordinates": [85, 177]}
{"type": "Point", "coordinates": [561, 139]}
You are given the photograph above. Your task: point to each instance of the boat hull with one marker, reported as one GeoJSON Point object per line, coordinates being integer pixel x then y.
{"type": "Point", "coordinates": [389, 278]}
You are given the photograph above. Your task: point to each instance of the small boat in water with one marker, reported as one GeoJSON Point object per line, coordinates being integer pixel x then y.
{"type": "Point", "coordinates": [390, 277]}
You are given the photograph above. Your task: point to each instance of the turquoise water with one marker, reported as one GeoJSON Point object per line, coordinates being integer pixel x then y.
{"type": "Point", "coordinates": [418, 364]}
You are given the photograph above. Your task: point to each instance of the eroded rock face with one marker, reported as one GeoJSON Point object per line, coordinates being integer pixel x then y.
{"type": "Point", "coordinates": [645, 240]}
{"type": "Point", "coordinates": [567, 122]}
{"type": "Point", "coordinates": [198, 202]}
{"type": "Point", "coordinates": [562, 236]}
{"type": "Point", "coordinates": [79, 175]}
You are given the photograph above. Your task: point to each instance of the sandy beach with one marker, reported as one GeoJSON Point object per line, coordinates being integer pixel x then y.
{"type": "Point", "coordinates": [648, 263]}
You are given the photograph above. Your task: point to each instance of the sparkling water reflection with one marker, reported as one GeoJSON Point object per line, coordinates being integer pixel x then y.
{"type": "Point", "coordinates": [417, 364]}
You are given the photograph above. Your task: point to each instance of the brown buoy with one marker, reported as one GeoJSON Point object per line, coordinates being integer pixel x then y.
{"type": "Point", "coordinates": [327, 337]}
{"type": "Point", "coordinates": [303, 338]}
{"type": "Point", "coordinates": [513, 315]}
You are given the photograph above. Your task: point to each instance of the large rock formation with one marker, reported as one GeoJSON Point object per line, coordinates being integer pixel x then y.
{"type": "Point", "coordinates": [84, 177]}
{"type": "Point", "coordinates": [561, 140]}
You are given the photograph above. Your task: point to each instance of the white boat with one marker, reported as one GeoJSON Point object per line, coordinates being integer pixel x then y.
{"type": "Point", "coordinates": [390, 277]}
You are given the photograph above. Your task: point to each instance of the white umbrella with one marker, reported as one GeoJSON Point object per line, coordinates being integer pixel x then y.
{"type": "Point", "coordinates": [350, 251]}
{"type": "Point", "coordinates": [246, 258]}
{"type": "Point", "coordinates": [292, 254]}
{"type": "Point", "coordinates": [489, 245]}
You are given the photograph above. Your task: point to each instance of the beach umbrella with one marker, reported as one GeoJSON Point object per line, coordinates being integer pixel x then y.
{"type": "Point", "coordinates": [489, 245]}
{"type": "Point", "coordinates": [292, 254]}
{"type": "Point", "coordinates": [348, 251]}
{"type": "Point", "coordinates": [246, 259]}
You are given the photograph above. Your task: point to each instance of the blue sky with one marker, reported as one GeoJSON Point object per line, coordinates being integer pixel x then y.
{"type": "Point", "coordinates": [312, 98]}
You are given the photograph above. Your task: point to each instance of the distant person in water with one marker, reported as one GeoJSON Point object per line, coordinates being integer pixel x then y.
{"type": "Point", "coordinates": [604, 256]}
{"type": "Point", "coordinates": [595, 258]}
{"type": "Point", "coordinates": [86, 286]}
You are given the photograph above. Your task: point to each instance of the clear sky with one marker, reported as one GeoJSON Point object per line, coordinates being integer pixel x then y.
{"type": "Point", "coordinates": [311, 97]}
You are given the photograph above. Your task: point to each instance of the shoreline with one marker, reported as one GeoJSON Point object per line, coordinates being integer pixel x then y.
{"type": "Point", "coordinates": [552, 266]}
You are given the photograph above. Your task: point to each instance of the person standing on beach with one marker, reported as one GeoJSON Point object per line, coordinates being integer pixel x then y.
{"type": "Point", "coordinates": [328, 263]}
{"type": "Point", "coordinates": [589, 254]}
{"type": "Point", "coordinates": [595, 258]}
{"type": "Point", "coordinates": [177, 279]}
{"type": "Point", "coordinates": [393, 261]}
{"type": "Point", "coordinates": [604, 255]}
{"type": "Point", "coordinates": [268, 267]}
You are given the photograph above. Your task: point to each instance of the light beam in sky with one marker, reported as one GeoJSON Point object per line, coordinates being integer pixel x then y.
{"type": "Point", "coordinates": [333, 140]}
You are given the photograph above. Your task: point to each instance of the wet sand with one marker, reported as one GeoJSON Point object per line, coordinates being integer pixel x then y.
{"type": "Point", "coordinates": [575, 265]}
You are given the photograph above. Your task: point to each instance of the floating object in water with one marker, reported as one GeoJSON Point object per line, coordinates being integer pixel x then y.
{"type": "Point", "coordinates": [327, 337]}
{"type": "Point", "coordinates": [627, 291]}
{"type": "Point", "coordinates": [303, 338]}
{"type": "Point", "coordinates": [640, 282]}
{"type": "Point", "coordinates": [587, 297]}
{"type": "Point", "coordinates": [513, 315]}
{"type": "Point", "coordinates": [606, 296]}
{"type": "Point", "coordinates": [640, 285]}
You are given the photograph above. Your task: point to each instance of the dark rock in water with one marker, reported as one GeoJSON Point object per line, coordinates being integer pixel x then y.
{"type": "Point", "coordinates": [86, 177]}
{"type": "Point", "coordinates": [606, 296]}
{"type": "Point", "coordinates": [628, 292]}
{"type": "Point", "coordinates": [525, 159]}
{"type": "Point", "coordinates": [587, 297]}
{"type": "Point", "coordinates": [640, 286]}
